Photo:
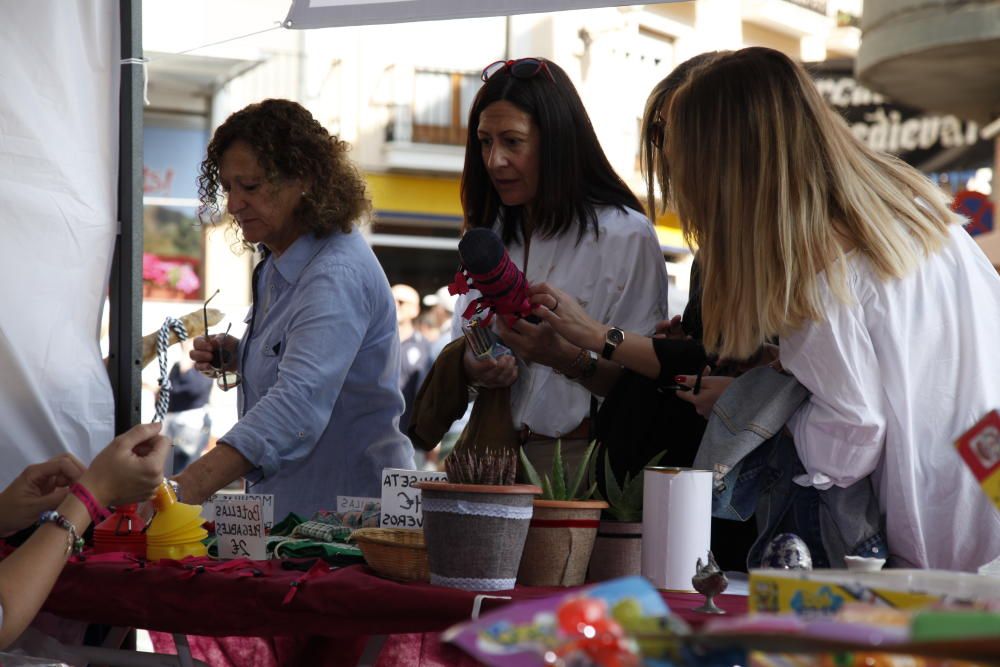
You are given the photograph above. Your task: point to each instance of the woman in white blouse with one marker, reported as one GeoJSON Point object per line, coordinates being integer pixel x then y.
{"type": "Point", "coordinates": [886, 310]}
{"type": "Point", "coordinates": [536, 174]}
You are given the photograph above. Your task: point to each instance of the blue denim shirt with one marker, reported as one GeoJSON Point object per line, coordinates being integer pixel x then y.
{"type": "Point", "coordinates": [320, 400]}
{"type": "Point", "coordinates": [754, 464]}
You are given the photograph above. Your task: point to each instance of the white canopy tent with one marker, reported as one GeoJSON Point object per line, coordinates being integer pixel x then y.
{"type": "Point", "coordinates": [71, 188]}
{"type": "Point", "coordinates": [58, 160]}
{"type": "Point", "coordinates": [305, 14]}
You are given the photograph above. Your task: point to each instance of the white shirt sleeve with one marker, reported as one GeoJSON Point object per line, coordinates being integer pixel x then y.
{"type": "Point", "coordinates": [637, 298]}
{"type": "Point", "coordinates": [840, 431]}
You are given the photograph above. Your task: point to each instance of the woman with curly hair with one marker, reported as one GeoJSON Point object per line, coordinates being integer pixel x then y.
{"type": "Point", "coordinates": [318, 401]}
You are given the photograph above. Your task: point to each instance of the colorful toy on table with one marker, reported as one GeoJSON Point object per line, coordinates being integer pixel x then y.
{"type": "Point", "coordinates": [122, 531]}
{"type": "Point", "coordinates": [176, 530]}
{"type": "Point", "coordinates": [980, 448]}
{"type": "Point", "coordinates": [618, 623]}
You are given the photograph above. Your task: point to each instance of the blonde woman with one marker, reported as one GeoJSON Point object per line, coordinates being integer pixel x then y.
{"type": "Point", "coordinates": [887, 311]}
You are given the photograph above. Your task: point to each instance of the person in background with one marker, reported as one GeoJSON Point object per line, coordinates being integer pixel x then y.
{"type": "Point", "coordinates": [641, 416]}
{"type": "Point", "coordinates": [536, 174]}
{"type": "Point", "coordinates": [67, 496]}
{"type": "Point", "coordinates": [885, 309]}
{"type": "Point", "coordinates": [187, 423]}
{"type": "Point", "coordinates": [426, 324]}
{"type": "Point", "coordinates": [414, 350]}
{"type": "Point", "coordinates": [441, 306]}
{"type": "Point", "coordinates": [319, 398]}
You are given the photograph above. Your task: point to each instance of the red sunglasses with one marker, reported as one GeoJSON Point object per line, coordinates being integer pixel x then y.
{"type": "Point", "coordinates": [522, 68]}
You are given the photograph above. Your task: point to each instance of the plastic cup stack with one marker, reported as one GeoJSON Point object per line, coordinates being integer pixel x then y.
{"type": "Point", "coordinates": [176, 530]}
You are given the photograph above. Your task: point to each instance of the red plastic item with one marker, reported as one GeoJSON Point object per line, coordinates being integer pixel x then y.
{"type": "Point", "coordinates": [122, 531]}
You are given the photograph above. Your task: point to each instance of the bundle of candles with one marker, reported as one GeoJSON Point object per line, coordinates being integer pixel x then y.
{"type": "Point", "coordinates": [482, 340]}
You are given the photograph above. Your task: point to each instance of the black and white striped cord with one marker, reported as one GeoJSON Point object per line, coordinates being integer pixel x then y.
{"type": "Point", "coordinates": [162, 343]}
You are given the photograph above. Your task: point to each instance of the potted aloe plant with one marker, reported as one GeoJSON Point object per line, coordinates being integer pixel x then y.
{"type": "Point", "coordinates": [564, 525]}
{"type": "Point", "coordinates": [618, 546]}
{"type": "Point", "coordinates": [475, 523]}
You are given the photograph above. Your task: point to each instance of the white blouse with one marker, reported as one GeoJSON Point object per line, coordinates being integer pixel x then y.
{"type": "Point", "coordinates": [620, 279]}
{"type": "Point", "coordinates": [896, 375]}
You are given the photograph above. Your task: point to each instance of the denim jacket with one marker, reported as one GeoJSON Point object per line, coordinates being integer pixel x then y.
{"type": "Point", "coordinates": [754, 462]}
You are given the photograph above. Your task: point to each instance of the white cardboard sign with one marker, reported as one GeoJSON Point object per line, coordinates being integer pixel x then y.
{"type": "Point", "coordinates": [353, 503]}
{"type": "Point", "coordinates": [266, 502]}
{"type": "Point", "coordinates": [401, 497]}
{"type": "Point", "coordinates": [239, 527]}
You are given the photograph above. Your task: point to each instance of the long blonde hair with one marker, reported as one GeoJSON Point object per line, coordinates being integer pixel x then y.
{"type": "Point", "coordinates": [774, 189]}
{"type": "Point", "coordinates": [652, 162]}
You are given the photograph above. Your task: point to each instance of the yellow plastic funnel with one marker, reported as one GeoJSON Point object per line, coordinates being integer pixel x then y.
{"type": "Point", "coordinates": [172, 517]}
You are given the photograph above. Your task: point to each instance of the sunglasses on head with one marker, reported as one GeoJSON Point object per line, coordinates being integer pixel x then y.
{"type": "Point", "coordinates": [522, 68]}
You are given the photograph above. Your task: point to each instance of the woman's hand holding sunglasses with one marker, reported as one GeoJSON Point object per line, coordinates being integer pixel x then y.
{"type": "Point", "coordinates": [215, 354]}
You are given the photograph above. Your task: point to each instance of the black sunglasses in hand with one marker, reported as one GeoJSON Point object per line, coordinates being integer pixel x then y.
{"type": "Point", "coordinates": [221, 358]}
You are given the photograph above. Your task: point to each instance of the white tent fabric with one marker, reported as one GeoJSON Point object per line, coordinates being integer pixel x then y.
{"type": "Point", "coordinates": [58, 185]}
{"type": "Point", "coordinates": [305, 14]}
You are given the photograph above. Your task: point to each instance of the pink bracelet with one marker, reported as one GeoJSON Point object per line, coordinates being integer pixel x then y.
{"type": "Point", "coordinates": [94, 509]}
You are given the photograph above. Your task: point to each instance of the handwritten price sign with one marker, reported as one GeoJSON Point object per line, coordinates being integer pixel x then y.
{"type": "Point", "coordinates": [239, 526]}
{"type": "Point", "coordinates": [401, 497]}
{"type": "Point", "coordinates": [266, 505]}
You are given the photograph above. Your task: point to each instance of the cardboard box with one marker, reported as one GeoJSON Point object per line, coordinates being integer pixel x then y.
{"type": "Point", "coordinates": [980, 448]}
{"type": "Point", "coordinates": [826, 591]}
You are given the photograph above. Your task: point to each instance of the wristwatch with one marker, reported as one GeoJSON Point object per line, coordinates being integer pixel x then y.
{"type": "Point", "coordinates": [612, 340]}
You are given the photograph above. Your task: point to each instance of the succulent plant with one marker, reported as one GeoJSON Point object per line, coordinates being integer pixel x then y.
{"type": "Point", "coordinates": [624, 500]}
{"type": "Point", "coordinates": [485, 466]}
{"type": "Point", "coordinates": [559, 486]}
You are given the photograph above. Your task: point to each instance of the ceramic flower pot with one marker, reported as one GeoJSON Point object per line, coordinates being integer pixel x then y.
{"type": "Point", "coordinates": [617, 551]}
{"type": "Point", "coordinates": [560, 541]}
{"type": "Point", "coordinates": [475, 533]}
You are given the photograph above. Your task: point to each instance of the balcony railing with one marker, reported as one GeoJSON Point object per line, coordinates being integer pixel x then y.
{"type": "Point", "coordinates": [439, 110]}
{"type": "Point", "coordinates": [818, 6]}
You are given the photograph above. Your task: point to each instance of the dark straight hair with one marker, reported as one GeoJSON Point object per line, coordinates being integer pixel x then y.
{"type": "Point", "coordinates": [574, 175]}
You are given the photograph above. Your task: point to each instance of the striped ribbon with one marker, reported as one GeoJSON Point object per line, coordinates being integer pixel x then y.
{"type": "Point", "coordinates": [162, 343]}
{"type": "Point", "coordinates": [468, 507]}
{"type": "Point", "coordinates": [473, 583]}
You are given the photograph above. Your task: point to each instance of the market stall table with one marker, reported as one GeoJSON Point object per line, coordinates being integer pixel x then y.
{"type": "Point", "coordinates": [335, 609]}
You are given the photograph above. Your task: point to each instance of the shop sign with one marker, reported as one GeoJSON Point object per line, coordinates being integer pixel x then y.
{"type": "Point", "coordinates": [347, 504]}
{"type": "Point", "coordinates": [912, 135]}
{"type": "Point", "coordinates": [239, 527]}
{"type": "Point", "coordinates": [266, 504]}
{"type": "Point", "coordinates": [401, 499]}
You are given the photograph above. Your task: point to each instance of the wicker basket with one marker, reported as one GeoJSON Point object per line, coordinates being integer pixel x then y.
{"type": "Point", "coordinates": [394, 553]}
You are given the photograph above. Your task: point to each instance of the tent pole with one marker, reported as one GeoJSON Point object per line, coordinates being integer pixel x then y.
{"type": "Point", "coordinates": [126, 278]}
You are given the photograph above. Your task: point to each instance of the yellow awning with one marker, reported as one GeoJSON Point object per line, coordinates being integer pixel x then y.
{"type": "Point", "coordinates": [416, 197]}
{"type": "Point", "coordinates": [432, 199]}
{"type": "Point", "coordinates": [668, 231]}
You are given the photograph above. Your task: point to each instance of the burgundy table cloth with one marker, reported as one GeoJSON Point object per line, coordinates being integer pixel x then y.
{"type": "Point", "coordinates": [320, 611]}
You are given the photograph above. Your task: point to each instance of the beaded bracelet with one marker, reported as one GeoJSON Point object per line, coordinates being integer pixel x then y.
{"type": "Point", "coordinates": [97, 512]}
{"type": "Point", "coordinates": [74, 544]}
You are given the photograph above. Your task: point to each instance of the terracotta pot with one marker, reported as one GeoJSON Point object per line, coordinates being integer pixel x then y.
{"type": "Point", "coordinates": [617, 551]}
{"type": "Point", "coordinates": [475, 533]}
{"type": "Point", "coordinates": [560, 540]}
